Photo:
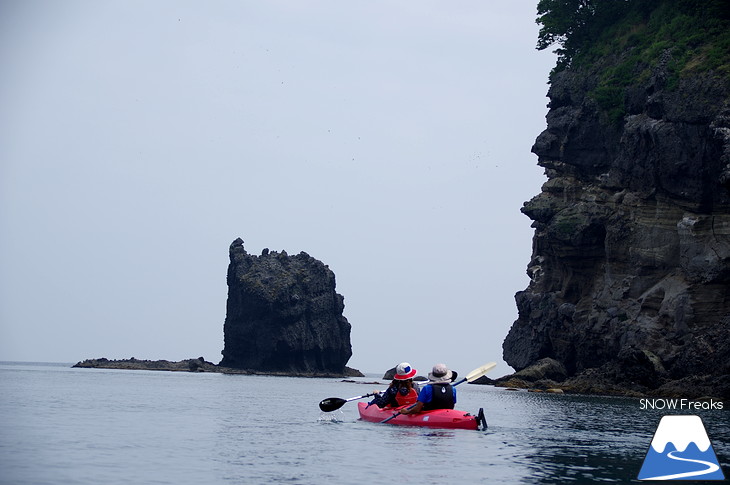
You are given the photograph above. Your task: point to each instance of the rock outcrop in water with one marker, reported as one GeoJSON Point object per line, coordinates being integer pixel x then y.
{"type": "Point", "coordinates": [284, 316]}
{"type": "Point", "coordinates": [630, 271]}
{"type": "Point", "coordinates": [187, 365]}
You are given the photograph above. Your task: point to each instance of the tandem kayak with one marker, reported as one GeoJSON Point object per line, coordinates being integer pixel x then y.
{"type": "Point", "coordinates": [437, 418]}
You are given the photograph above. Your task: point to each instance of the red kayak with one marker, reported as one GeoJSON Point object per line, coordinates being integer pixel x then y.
{"type": "Point", "coordinates": [437, 418]}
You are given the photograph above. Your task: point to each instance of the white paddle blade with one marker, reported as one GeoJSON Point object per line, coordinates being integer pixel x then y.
{"type": "Point", "coordinates": [477, 373]}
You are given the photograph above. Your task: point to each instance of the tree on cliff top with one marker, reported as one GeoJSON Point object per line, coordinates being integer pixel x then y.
{"type": "Point", "coordinates": [574, 23]}
{"type": "Point", "coordinates": [578, 26]}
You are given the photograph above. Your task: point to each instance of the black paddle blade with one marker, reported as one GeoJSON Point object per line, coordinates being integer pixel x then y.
{"type": "Point", "coordinates": [481, 420]}
{"type": "Point", "coordinates": [331, 404]}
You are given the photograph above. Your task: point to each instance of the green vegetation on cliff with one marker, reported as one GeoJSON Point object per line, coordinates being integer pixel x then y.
{"type": "Point", "coordinates": [697, 31]}
{"type": "Point", "coordinates": [627, 39]}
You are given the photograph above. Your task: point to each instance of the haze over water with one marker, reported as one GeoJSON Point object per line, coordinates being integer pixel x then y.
{"type": "Point", "coordinates": [88, 426]}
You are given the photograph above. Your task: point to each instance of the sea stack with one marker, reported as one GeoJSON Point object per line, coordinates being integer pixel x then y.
{"type": "Point", "coordinates": [630, 269]}
{"type": "Point", "coordinates": [283, 315]}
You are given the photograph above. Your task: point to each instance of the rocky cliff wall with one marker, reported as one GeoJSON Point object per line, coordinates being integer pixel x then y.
{"type": "Point", "coordinates": [283, 315]}
{"type": "Point", "coordinates": [630, 270]}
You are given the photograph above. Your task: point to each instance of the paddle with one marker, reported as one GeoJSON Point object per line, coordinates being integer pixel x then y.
{"type": "Point", "coordinates": [470, 377]}
{"type": "Point", "coordinates": [334, 403]}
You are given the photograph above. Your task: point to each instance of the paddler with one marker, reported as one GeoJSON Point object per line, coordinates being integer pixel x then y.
{"type": "Point", "coordinates": [401, 391]}
{"type": "Point", "coordinates": [437, 394]}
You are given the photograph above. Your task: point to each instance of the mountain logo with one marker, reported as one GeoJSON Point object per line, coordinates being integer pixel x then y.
{"type": "Point", "coordinates": [681, 450]}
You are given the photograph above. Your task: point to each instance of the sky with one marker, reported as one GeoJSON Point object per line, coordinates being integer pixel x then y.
{"type": "Point", "coordinates": [389, 140]}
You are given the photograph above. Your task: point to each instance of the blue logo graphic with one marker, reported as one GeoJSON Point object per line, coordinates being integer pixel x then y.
{"type": "Point", "coordinates": [681, 450]}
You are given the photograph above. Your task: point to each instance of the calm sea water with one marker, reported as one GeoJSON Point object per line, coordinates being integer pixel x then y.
{"type": "Point", "coordinates": [82, 426]}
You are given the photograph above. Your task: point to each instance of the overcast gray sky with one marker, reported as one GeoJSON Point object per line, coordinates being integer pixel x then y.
{"type": "Point", "coordinates": [388, 139]}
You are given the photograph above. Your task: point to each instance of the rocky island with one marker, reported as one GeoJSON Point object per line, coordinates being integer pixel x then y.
{"type": "Point", "coordinates": [630, 268]}
{"type": "Point", "coordinates": [187, 365]}
{"type": "Point", "coordinates": [284, 315]}
{"type": "Point", "coordinates": [283, 318]}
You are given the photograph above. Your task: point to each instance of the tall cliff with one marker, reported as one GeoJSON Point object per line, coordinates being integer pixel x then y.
{"type": "Point", "coordinates": [630, 268]}
{"type": "Point", "coordinates": [284, 316]}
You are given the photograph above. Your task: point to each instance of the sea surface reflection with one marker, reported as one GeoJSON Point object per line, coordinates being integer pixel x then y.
{"type": "Point", "coordinates": [87, 426]}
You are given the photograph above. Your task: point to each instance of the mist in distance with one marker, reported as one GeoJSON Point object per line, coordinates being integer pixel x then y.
{"type": "Point", "coordinates": [390, 141]}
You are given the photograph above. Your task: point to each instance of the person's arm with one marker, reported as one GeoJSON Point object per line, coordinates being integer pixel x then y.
{"type": "Point", "coordinates": [382, 399]}
{"type": "Point", "coordinates": [413, 410]}
{"type": "Point", "coordinates": [423, 397]}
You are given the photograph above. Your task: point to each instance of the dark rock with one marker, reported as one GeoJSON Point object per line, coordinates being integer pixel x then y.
{"type": "Point", "coordinates": [544, 374]}
{"type": "Point", "coordinates": [546, 368]}
{"type": "Point", "coordinates": [194, 365]}
{"type": "Point", "coordinates": [484, 381]}
{"type": "Point", "coordinates": [188, 365]}
{"type": "Point", "coordinates": [284, 316]}
{"type": "Point", "coordinates": [630, 271]}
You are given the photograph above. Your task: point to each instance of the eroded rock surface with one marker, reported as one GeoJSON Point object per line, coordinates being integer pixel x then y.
{"type": "Point", "coordinates": [630, 271]}
{"type": "Point", "coordinates": [284, 315]}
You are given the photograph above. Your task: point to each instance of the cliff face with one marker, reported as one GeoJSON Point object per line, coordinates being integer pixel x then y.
{"type": "Point", "coordinates": [283, 315]}
{"type": "Point", "coordinates": [630, 270]}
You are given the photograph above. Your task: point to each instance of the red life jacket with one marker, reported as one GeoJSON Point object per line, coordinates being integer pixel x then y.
{"type": "Point", "coordinates": [408, 399]}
